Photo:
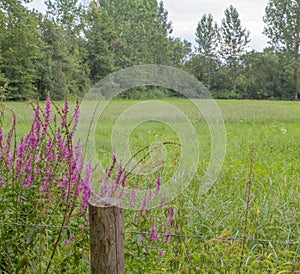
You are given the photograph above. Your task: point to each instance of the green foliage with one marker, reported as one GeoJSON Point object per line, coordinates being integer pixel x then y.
{"type": "Point", "coordinates": [21, 49]}
{"type": "Point", "coordinates": [102, 43]}
{"type": "Point", "coordinates": [66, 13]}
{"type": "Point", "coordinates": [74, 45]}
{"type": "Point", "coordinates": [64, 72]}
{"type": "Point", "coordinates": [229, 71]}
{"type": "Point", "coordinates": [42, 185]}
{"type": "Point", "coordinates": [235, 39]}
{"type": "Point", "coordinates": [265, 76]}
{"type": "Point", "coordinates": [142, 29]}
{"type": "Point", "coordinates": [207, 34]}
{"type": "Point", "coordinates": [282, 20]}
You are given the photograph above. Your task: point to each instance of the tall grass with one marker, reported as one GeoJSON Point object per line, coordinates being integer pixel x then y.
{"type": "Point", "coordinates": [272, 212]}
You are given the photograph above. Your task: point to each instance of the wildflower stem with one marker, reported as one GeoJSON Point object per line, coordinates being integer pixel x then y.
{"type": "Point", "coordinates": [248, 197]}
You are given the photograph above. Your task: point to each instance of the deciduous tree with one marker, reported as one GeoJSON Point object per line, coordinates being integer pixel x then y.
{"type": "Point", "coordinates": [282, 19]}
{"type": "Point", "coordinates": [21, 49]}
{"type": "Point", "coordinates": [101, 42]}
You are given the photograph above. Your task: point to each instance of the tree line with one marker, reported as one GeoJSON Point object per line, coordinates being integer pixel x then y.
{"type": "Point", "coordinates": [74, 44]}
{"type": "Point", "coordinates": [229, 70]}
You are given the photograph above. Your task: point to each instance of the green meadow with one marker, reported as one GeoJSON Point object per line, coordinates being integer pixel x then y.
{"type": "Point", "coordinates": [247, 222]}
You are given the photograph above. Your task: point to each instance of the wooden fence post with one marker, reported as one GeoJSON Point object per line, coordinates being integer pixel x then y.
{"type": "Point", "coordinates": [106, 217]}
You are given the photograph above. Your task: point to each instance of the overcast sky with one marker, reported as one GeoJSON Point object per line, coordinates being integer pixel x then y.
{"type": "Point", "coordinates": [185, 15]}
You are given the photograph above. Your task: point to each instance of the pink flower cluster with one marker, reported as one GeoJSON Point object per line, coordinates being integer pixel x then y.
{"type": "Point", "coordinates": [153, 234]}
{"type": "Point", "coordinates": [46, 159]}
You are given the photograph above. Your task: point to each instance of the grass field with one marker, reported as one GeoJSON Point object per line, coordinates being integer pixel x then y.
{"type": "Point", "coordinates": [272, 129]}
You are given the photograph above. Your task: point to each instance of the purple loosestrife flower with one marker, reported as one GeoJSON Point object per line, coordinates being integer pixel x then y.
{"type": "Point", "coordinates": [65, 111]}
{"type": "Point", "coordinates": [33, 140]}
{"type": "Point", "coordinates": [9, 162]}
{"type": "Point", "coordinates": [66, 108]}
{"type": "Point", "coordinates": [20, 158]}
{"type": "Point", "coordinates": [114, 158]}
{"type": "Point", "coordinates": [68, 155]}
{"type": "Point", "coordinates": [49, 173]}
{"type": "Point", "coordinates": [132, 196]}
{"type": "Point", "coordinates": [49, 152]}
{"type": "Point", "coordinates": [29, 165]}
{"type": "Point", "coordinates": [150, 193]}
{"type": "Point", "coordinates": [47, 117]}
{"type": "Point", "coordinates": [167, 238]}
{"type": "Point", "coordinates": [78, 157]}
{"type": "Point", "coordinates": [7, 147]}
{"type": "Point", "coordinates": [70, 240]}
{"type": "Point", "coordinates": [14, 122]}
{"type": "Point", "coordinates": [64, 182]}
{"type": "Point", "coordinates": [9, 141]}
{"type": "Point", "coordinates": [36, 122]}
{"type": "Point", "coordinates": [36, 174]}
{"type": "Point", "coordinates": [170, 217]}
{"type": "Point", "coordinates": [76, 118]}
{"type": "Point", "coordinates": [44, 186]}
{"type": "Point", "coordinates": [169, 224]}
{"type": "Point", "coordinates": [124, 181]}
{"type": "Point", "coordinates": [87, 189]}
{"type": "Point", "coordinates": [60, 145]}
{"type": "Point", "coordinates": [171, 214]}
{"type": "Point", "coordinates": [49, 146]}
{"type": "Point", "coordinates": [153, 234]}
{"type": "Point", "coordinates": [119, 175]}
{"type": "Point", "coordinates": [161, 253]}
{"type": "Point", "coordinates": [158, 184]}
{"type": "Point", "coordinates": [1, 138]}
{"type": "Point", "coordinates": [112, 166]}
{"type": "Point", "coordinates": [122, 192]}
{"type": "Point", "coordinates": [143, 207]}
{"type": "Point", "coordinates": [113, 189]}
{"type": "Point", "coordinates": [104, 188]}
{"type": "Point", "coordinates": [75, 180]}
{"type": "Point", "coordinates": [28, 182]}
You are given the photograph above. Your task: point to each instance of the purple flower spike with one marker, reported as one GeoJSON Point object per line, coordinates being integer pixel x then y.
{"type": "Point", "coordinates": [47, 117]}
{"type": "Point", "coordinates": [132, 196]}
{"type": "Point", "coordinates": [158, 184]}
{"type": "Point", "coordinates": [161, 253]}
{"type": "Point", "coordinates": [153, 234]}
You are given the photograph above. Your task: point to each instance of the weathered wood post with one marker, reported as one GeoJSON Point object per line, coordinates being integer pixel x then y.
{"type": "Point", "coordinates": [106, 217]}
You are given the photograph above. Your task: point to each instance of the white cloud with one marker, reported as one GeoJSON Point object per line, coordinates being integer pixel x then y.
{"type": "Point", "coordinates": [186, 14]}
{"type": "Point", "coordinates": [38, 5]}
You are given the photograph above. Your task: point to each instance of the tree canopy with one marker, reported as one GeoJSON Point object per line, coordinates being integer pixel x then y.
{"type": "Point", "coordinates": [282, 20]}
{"type": "Point", "coordinates": [74, 44]}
